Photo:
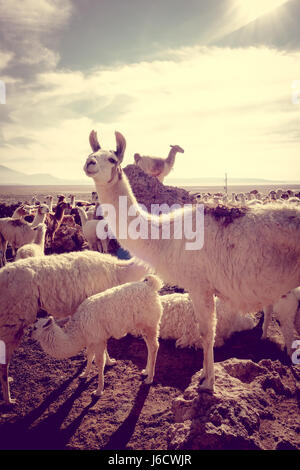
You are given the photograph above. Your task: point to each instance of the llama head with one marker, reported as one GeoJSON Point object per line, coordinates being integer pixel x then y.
{"type": "Point", "coordinates": [104, 165]}
{"type": "Point", "coordinates": [43, 209]}
{"type": "Point", "coordinates": [177, 148]}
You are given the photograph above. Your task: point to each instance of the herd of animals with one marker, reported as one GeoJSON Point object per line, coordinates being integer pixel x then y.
{"type": "Point", "coordinates": [250, 261]}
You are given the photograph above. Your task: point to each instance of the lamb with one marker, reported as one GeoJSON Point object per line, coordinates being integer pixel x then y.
{"type": "Point", "coordinates": [287, 312]}
{"type": "Point", "coordinates": [250, 257]}
{"type": "Point", "coordinates": [37, 247]}
{"type": "Point", "coordinates": [156, 166]}
{"type": "Point", "coordinates": [131, 308]}
{"type": "Point", "coordinates": [57, 284]}
{"type": "Point", "coordinates": [179, 322]}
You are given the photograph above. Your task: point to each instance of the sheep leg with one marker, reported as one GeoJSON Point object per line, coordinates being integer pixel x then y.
{"type": "Point", "coordinates": [90, 356]}
{"type": "Point", "coordinates": [152, 347]}
{"type": "Point", "coordinates": [204, 308]}
{"type": "Point", "coordinates": [4, 378]}
{"type": "Point", "coordinates": [3, 248]}
{"type": "Point", "coordinates": [268, 310]}
{"type": "Point", "coordinates": [100, 362]}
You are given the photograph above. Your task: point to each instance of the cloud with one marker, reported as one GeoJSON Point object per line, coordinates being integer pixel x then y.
{"type": "Point", "coordinates": [229, 109]}
{"type": "Point", "coordinates": [34, 15]}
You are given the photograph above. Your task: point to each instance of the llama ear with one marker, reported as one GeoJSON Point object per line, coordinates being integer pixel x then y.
{"type": "Point", "coordinates": [121, 146]}
{"type": "Point", "coordinates": [94, 141]}
{"type": "Point", "coordinates": [136, 157]}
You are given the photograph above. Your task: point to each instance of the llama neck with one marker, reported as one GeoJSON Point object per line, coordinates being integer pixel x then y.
{"type": "Point", "coordinates": [170, 160]}
{"type": "Point", "coordinates": [62, 343]}
{"type": "Point", "coordinates": [121, 193]}
{"type": "Point", "coordinates": [38, 219]}
{"type": "Point", "coordinates": [83, 216]}
{"type": "Point", "coordinates": [40, 237]}
{"type": "Point", "coordinates": [59, 213]}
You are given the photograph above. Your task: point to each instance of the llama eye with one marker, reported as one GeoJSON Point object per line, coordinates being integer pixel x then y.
{"type": "Point", "coordinates": [111, 160]}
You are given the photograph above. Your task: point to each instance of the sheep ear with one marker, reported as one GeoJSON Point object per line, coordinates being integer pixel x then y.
{"type": "Point", "coordinates": [94, 141]}
{"type": "Point", "coordinates": [121, 146]}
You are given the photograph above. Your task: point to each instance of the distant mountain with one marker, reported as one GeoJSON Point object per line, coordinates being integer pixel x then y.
{"type": "Point", "coordinates": [278, 28]}
{"type": "Point", "coordinates": [13, 177]}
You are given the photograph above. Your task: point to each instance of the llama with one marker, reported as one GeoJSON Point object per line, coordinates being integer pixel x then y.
{"type": "Point", "coordinates": [57, 284]}
{"type": "Point", "coordinates": [131, 308]}
{"type": "Point", "coordinates": [56, 219]}
{"type": "Point", "coordinates": [156, 166]}
{"type": "Point", "coordinates": [37, 247]}
{"type": "Point", "coordinates": [89, 231]}
{"type": "Point", "coordinates": [250, 257]}
{"type": "Point", "coordinates": [178, 321]}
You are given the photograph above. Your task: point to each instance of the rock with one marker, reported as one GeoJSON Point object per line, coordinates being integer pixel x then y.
{"type": "Point", "coordinates": [148, 190]}
{"type": "Point", "coordinates": [247, 396]}
{"type": "Point", "coordinates": [67, 238]}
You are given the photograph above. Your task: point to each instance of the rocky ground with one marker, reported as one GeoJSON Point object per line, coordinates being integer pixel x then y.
{"type": "Point", "coordinates": [255, 404]}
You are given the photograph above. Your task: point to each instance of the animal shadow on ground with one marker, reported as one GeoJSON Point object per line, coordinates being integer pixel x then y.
{"type": "Point", "coordinates": [122, 435]}
{"type": "Point", "coordinates": [47, 433]}
{"type": "Point", "coordinates": [174, 370]}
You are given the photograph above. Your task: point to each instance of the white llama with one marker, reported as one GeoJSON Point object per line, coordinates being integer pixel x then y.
{"type": "Point", "coordinates": [250, 257]}
{"type": "Point", "coordinates": [131, 308]}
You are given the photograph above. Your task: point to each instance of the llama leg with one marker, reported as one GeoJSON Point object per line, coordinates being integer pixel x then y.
{"type": "Point", "coordinates": [150, 338]}
{"type": "Point", "coordinates": [286, 316]}
{"type": "Point", "coordinates": [268, 310]}
{"type": "Point", "coordinates": [100, 362]}
{"type": "Point", "coordinates": [206, 317]}
{"type": "Point", "coordinates": [109, 361]}
{"type": "Point", "coordinates": [90, 356]}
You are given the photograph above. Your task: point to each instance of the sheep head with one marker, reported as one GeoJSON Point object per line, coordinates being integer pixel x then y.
{"type": "Point", "coordinates": [104, 165]}
{"type": "Point", "coordinates": [41, 325]}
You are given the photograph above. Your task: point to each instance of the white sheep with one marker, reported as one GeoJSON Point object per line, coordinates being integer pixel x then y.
{"type": "Point", "coordinates": [37, 247]}
{"type": "Point", "coordinates": [133, 308]}
{"type": "Point", "coordinates": [250, 256]}
{"type": "Point", "coordinates": [179, 321]}
{"type": "Point", "coordinates": [57, 284]}
{"type": "Point", "coordinates": [286, 311]}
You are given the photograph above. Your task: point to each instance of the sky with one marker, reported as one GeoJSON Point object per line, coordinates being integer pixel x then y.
{"type": "Point", "coordinates": [219, 78]}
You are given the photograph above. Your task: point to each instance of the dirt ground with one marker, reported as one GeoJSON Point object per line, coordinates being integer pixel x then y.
{"type": "Point", "coordinates": [55, 409]}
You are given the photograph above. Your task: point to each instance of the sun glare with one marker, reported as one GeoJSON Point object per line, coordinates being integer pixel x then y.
{"type": "Point", "coordinates": [252, 9]}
